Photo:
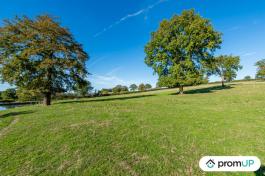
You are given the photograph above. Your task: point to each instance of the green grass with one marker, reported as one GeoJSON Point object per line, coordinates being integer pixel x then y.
{"type": "Point", "coordinates": [151, 133]}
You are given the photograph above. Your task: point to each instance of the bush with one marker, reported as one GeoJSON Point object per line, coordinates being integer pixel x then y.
{"type": "Point", "coordinates": [9, 94]}
{"type": "Point", "coordinates": [119, 89]}
{"type": "Point", "coordinates": [247, 78]}
{"type": "Point", "coordinates": [104, 92]}
{"type": "Point", "coordinates": [28, 95]}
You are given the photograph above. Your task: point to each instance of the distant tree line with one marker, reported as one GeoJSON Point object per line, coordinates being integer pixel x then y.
{"type": "Point", "coordinates": [13, 94]}
{"type": "Point", "coordinates": [22, 95]}
{"type": "Point", "coordinates": [120, 89]}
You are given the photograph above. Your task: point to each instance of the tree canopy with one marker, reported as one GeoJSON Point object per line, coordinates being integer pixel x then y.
{"type": "Point", "coordinates": [178, 48]}
{"type": "Point", "coordinates": [38, 54]}
{"type": "Point", "coordinates": [261, 69]}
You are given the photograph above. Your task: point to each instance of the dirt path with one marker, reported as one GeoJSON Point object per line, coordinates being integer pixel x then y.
{"type": "Point", "coordinates": [6, 129]}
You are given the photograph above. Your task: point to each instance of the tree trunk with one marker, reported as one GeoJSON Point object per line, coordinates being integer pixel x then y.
{"type": "Point", "coordinates": [47, 95]}
{"type": "Point", "coordinates": [223, 81]}
{"type": "Point", "coordinates": [47, 99]}
{"type": "Point", "coordinates": [181, 90]}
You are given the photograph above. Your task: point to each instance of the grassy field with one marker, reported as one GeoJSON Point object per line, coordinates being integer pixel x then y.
{"type": "Point", "coordinates": [151, 133]}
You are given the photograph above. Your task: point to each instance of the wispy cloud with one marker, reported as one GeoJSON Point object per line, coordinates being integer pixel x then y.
{"type": "Point", "coordinates": [95, 61]}
{"type": "Point", "coordinates": [249, 54]}
{"type": "Point", "coordinates": [110, 79]}
{"type": "Point", "coordinates": [107, 81]}
{"type": "Point", "coordinates": [113, 71]}
{"type": "Point", "coordinates": [139, 12]}
{"type": "Point", "coordinates": [234, 28]}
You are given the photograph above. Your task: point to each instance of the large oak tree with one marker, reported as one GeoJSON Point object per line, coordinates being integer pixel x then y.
{"type": "Point", "coordinates": [38, 54]}
{"type": "Point", "coordinates": [178, 48]}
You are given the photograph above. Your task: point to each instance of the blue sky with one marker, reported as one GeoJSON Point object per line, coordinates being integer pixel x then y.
{"type": "Point", "coordinates": [114, 32]}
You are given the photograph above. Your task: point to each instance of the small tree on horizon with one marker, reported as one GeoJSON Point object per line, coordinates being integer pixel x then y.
{"type": "Point", "coordinates": [40, 55]}
{"type": "Point", "coordinates": [247, 78]}
{"type": "Point", "coordinates": [178, 48]}
{"type": "Point", "coordinates": [148, 86]}
{"type": "Point", "coordinates": [141, 87]}
{"type": "Point", "coordinates": [119, 89]}
{"type": "Point", "coordinates": [84, 89]}
{"type": "Point", "coordinates": [225, 66]}
{"type": "Point", "coordinates": [260, 69]}
{"type": "Point", "coordinates": [133, 87]}
{"type": "Point", "coordinates": [104, 92]}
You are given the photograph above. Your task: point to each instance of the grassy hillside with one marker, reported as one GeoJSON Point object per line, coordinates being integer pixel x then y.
{"type": "Point", "coordinates": [152, 133]}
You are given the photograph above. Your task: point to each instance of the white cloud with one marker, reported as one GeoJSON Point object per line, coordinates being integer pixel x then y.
{"type": "Point", "coordinates": [249, 54]}
{"type": "Point", "coordinates": [234, 28]}
{"type": "Point", "coordinates": [113, 71]}
{"type": "Point", "coordinates": [107, 80]}
{"type": "Point", "coordinates": [110, 79]}
{"type": "Point", "coordinates": [139, 12]}
{"type": "Point", "coordinates": [95, 61]}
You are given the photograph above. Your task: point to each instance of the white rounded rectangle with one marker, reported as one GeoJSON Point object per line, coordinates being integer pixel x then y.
{"type": "Point", "coordinates": [229, 163]}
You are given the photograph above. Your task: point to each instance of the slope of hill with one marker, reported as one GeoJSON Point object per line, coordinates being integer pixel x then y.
{"type": "Point", "coordinates": [151, 133]}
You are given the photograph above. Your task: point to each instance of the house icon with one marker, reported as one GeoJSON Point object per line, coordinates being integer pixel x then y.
{"type": "Point", "coordinates": [210, 163]}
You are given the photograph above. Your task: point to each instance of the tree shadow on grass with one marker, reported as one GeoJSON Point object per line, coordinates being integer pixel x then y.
{"type": "Point", "coordinates": [205, 90]}
{"type": "Point", "coordinates": [105, 99]}
{"type": "Point", "coordinates": [12, 114]}
{"type": "Point", "coordinates": [261, 171]}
